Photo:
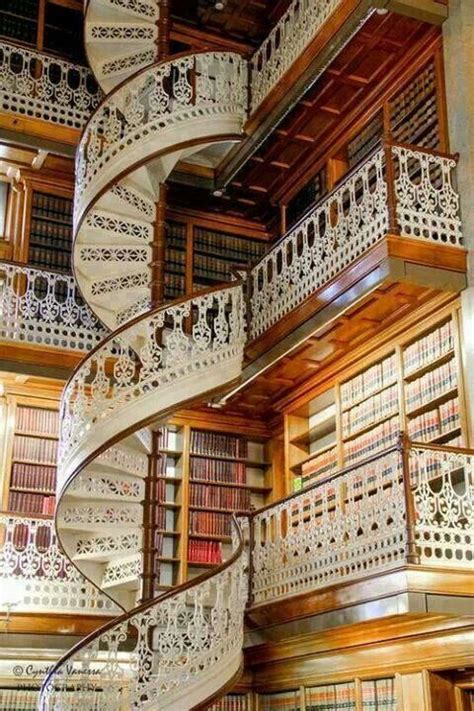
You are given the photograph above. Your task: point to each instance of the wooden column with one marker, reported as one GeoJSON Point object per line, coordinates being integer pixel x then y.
{"type": "Point", "coordinates": [164, 26]}
{"type": "Point", "coordinates": [158, 250]}
{"type": "Point", "coordinates": [149, 522]}
{"type": "Point", "coordinates": [393, 226]}
{"type": "Point", "coordinates": [412, 556]}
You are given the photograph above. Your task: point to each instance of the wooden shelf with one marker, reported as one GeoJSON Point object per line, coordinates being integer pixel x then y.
{"type": "Point", "coordinates": [203, 565]}
{"type": "Point", "coordinates": [369, 395]}
{"type": "Point", "coordinates": [367, 428]}
{"type": "Point", "coordinates": [163, 532]}
{"type": "Point", "coordinates": [211, 537]}
{"type": "Point", "coordinates": [171, 452]}
{"type": "Point", "coordinates": [326, 448]}
{"type": "Point", "coordinates": [170, 479]}
{"type": "Point", "coordinates": [38, 435]}
{"type": "Point", "coordinates": [169, 504]}
{"type": "Point", "coordinates": [167, 559]}
{"type": "Point", "coordinates": [431, 404]}
{"type": "Point", "coordinates": [231, 485]}
{"type": "Point", "coordinates": [444, 437]}
{"type": "Point", "coordinates": [32, 491]}
{"type": "Point", "coordinates": [30, 461]}
{"type": "Point", "coordinates": [316, 432]}
{"type": "Point", "coordinates": [28, 514]}
{"type": "Point", "coordinates": [237, 512]}
{"type": "Point", "coordinates": [235, 460]}
{"type": "Point", "coordinates": [432, 365]}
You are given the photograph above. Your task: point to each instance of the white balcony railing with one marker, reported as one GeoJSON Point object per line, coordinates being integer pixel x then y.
{"type": "Point", "coordinates": [36, 575]}
{"type": "Point", "coordinates": [415, 197]}
{"type": "Point", "coordinates": [410, 504]}
{"type": "Point", "coordinates": [35, 85]}
{"type": "Point", "coordinates": [285, 43]}
{"type": "Point", "coordinates": [44, 308]}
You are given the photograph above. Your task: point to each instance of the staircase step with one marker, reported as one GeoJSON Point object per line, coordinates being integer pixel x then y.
{"type": "Point", "coordinates": [123, 459]}
{"type": "Point", "coordinates": [124, 573]}
{"type": "Point", "coordinates": [105, 548]}
{"type": "Point", "coordinates": [93, 484]}
{"type": "Point", "coordinates": [117, 228]}
{"type": "Point", "coordinates": [138, 34]}
{"type": "Point", "coordinates": [141, 9]}
{"type": "Point", "coordinates": [123, 65]}
{"type": "Point", "coordinates": [97, 516]}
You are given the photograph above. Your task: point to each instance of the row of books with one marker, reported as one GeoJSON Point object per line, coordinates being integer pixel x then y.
{"type": "Point", "coordinates": [429, 348]}
{"type": "Point", "coordinates": [218, 497]}
{"type": "Point", "coordinates": [52, 206]}
{"type": "Point", "coordinates": [321, 465]}
{"type": "Point", "coordinates": [50, 234]}
{"type": "Point", "coordinates": [379, 695]}
{"type": "Point", "coordinates": [31, 503]}
{"type": "Point", "coordinates": [374, 408]}
{"type": "Point", "coordinates": [33, 476]}
{"type": "Point", "coordinates": [232, 702]}
{"type": "Point", "coordinates": [374, 378]}
{"type": "Point", "coordinates": [380, 437]}
{"type": "Point", "coordinates": [35, 449]}
{"type": "Point", "coordinates": [39, 257]}
{"type": "Point", "coordinates": [175, 260]}
{"type": "Point", "coordinates": [218, 470]}
{"type": "Point", "coordinates": [435, 422]}
{"type": "Point", "coordinates": [209, 523]}
{"type": "Point", "coordinates": [167, 438]}
{"type": "Point", "coordinates": [240, 249]}
{"type": "Point", "coordinates": [21, 537]}
{"type": "Point", "coordinates": [218, 445]}
{"type": "Point", "coordinates": [19, 699]}
{"type": "Point", "coordinates": [431, 385]}
{"type": "Point", "coordinates": [213, 267]}
{"type": "Point", "coordinates": [204, 551]}
{"type": "Point", "coordinates": [331, 697]}
{"type": "Point", "coordinates": [34, 419]}
{"type": "Point", "coordinates": [175, 284]}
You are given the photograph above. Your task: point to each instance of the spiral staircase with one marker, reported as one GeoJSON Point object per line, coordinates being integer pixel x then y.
{"type": "Point", "coordinates": [182, 648]}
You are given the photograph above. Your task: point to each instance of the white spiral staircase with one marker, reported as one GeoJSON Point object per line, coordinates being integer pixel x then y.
{"type": "Point", "coordinates": [182, 648]}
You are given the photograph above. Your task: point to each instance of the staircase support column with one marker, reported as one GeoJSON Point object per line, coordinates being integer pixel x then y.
{"type": "Point", "coordinates": [158, 251]}
{"type": "Point", "coordinates": [164, 27]}
{"type": "Point", "coordinates": [150, 517]}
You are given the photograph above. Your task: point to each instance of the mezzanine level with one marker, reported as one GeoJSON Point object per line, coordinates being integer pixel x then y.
{"type": "Point", "coordinates": [400, 520]}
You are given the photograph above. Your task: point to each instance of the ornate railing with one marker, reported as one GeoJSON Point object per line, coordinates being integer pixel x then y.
{"type": "Point", "coordinates": [148, 366]}
{"type": "Point", "coordinates": [183, 644]}
{"type": "Point", "coordinates": [35, 85]}
{"type": "Point", "coordinates": [285, 43]}
{"type": "Point", "coordinates": [37, 575]}
{"type": "Point", "coordinates": [410, 504]}
{"type": "Point", "coordinates": [136, 119]}
{"type": "Point", "coordinates": [44, 308]}
{"type": "Point", "coordinates": [398, 189]}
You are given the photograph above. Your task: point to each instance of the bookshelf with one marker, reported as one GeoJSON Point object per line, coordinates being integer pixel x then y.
{"type": "Point", "coordinates": [32, 467]}
{"type": "Point", "coordinates": [282, 701]}
{"type": "Point", "coordinates": [414, 385]}
{"type": "Point", "coordinates": [216, 255]}
{"type": "Point", "coordinates": [233, 702]}
{"type": "Point", "coordinates": [50, 240]}
{"type": "Point", "coordinates": [175, 270]}
{"type": "Point", "coordinates": [203, 477]}
{"type": "Point", "coordinates": [355, 694]}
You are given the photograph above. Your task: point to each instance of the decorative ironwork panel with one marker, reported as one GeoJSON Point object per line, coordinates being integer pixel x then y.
{"type": "Point", "coordinates": [34, 85]}
{"type": "Point", "coordinates": [45, 308]}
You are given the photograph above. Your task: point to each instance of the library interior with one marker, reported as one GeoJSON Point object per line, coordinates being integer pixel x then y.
{"type": "Point", "coordinates": [236, 355]}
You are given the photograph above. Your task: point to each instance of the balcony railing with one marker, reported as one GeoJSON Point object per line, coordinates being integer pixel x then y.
{"type": "Point", "coordinates": [285, 43]}
{"type": "Point", "coordinates": [35, 85]}
{"type": "Point", "coordinates": [36, 575]}
{"type": "Point", "coordinates": [411, 504]}
{"type": "Point", "coordinates": [44, 308]}
{"type": "Point", "coordinates": [399, 189]}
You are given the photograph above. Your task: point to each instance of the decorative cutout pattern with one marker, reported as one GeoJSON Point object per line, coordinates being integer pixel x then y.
{"type": "Point", "coordinates": [122, 570]}
{"type": "Point", "coordinates": [333, 235]}
{"type": "Point", "coordinates": [45, 308]}
{"type": "Point", "coordinates": [37, 86]}
{"type": "Point", "coordinates": [285, 43]}
{"type": "Point", "coordinates": [95, 546]}
{"type": "Point", "coordinates": [179, 640]}
{"type": "Point", "coordinates": [116, 375]}
{"type": "Point", "coordinates": [332, 532]}
{"type": "Point", "coordinates": [30, 556]}
{"type": "Point", "coordinates": [191, 87]}
{"type": "Point", "coordinates": [427, 204]}
{"type": "Point", "coordinates": [443, 490]}
{"type": "Point", "coordinates": [100, 485]}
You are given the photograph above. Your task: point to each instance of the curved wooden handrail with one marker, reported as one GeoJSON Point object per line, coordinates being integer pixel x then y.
{"type": "Point", "coordinates": [195, 582]}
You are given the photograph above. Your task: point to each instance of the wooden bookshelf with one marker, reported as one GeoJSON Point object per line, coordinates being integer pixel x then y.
{"type": "Point", "coordinates": [50, 238]}
{"type": "Point", "coordinates": [414, 385]}
{"type": "Point", "coordinates": [31, 457]}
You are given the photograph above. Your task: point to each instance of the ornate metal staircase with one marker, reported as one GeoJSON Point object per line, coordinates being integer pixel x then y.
{"type": "Point", "coordinates": [185, 646]}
